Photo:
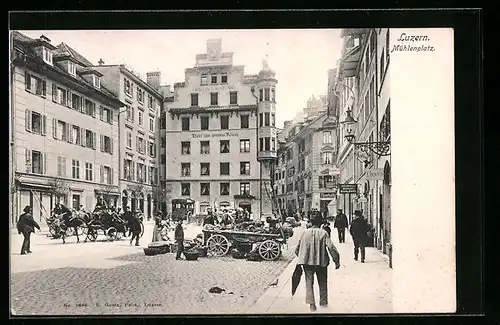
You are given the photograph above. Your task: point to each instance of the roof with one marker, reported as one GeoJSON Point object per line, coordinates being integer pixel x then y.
{"type": "Point", "coordinates": [65, 49]}
{"type": "Point", "coordinates": [24, 42]}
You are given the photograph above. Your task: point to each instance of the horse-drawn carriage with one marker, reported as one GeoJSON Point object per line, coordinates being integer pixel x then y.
{"type": "Point", "coordinates": [181, 208]}
{"type": "Point", "coordinates": [106, 223]}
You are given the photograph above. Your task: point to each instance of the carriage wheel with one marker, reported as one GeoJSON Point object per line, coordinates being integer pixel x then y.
{"type": "Point", "coordinates": [269, 250]}
{"type": "Point", "coordinates": [111, 233]}
{"type": "Point", "coordinates": [142, 230]}
{"type": "Point", "coordinates": [92, 234]}
{"type": "Point", "coordinates": [217, 245]}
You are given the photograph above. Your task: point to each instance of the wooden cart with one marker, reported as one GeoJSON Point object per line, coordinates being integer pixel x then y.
{"type": "Point", "coordinates": [218, 242]}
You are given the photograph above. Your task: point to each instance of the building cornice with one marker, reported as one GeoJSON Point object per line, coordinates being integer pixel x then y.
{"type": "Point", "coordinates": [138, 80]}
{"type": "Point", "coordinates": [176, 112]}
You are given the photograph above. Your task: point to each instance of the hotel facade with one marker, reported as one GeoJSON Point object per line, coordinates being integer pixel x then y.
{"type": "Point", "coordinates": [63, 129]}
{"type": "Point", "coordinates": [221, 136]}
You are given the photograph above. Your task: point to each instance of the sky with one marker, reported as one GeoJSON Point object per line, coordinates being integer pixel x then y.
{"type": "Point", "coordinates": [301, 57]}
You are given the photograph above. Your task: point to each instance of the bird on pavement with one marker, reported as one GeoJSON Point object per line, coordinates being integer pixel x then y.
{"type": "Point", "coordinates": [274, 284]}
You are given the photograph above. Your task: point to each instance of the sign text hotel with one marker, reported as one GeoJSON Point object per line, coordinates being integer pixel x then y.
{"type": "Point", "coordinates": [215, 135]}
{"type": "Point", "coordinates": [214, 88]}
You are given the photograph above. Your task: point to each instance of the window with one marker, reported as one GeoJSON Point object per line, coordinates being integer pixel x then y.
{"type": "Point", "coordinates": [130, 114]}
{"type": "Point", "coordinates": [106, 175]}
{"type": "Point", "coordinates": [61, 166]}
{"type": "Point", "coordinates": [141, 117]}
{"type": "Point", "coordinates": [140, 95]}
{"type": "Point", "coordinates": [129, 139]}
{"type": "Point", "coordinates": [194, 99]}
{"type": "Point", "coordinates": [47, 55]}
{"type": "Point", "coordinates": [185, 169]}
{"type": "Point", "coordinates": [205, 169]}
{"type": "Point", "coordinates": [205, 188]}
{"type": "Point", "coordinates": [37, 162]}
{"type": "Point", "coordinates": [89, 107]}
{"type": "Point", "coordinates": [204, 122]}
{"type": "Point", "coordinates": [36, 123]}
{"type": "Point", "coordinates": [205, 147]}
{"type": "Point", "coordinates": [266, 94]}
{"type": "Point", "coordinates": [185, 124]}
{"type": "Point", "coordinates": [90, 139]}
{"type": "Point", "coordinates": [185, 148]}
{"type": "Point", "coordinates": [214, 99]}
{"type": "Point", "coordinates": [152, 149]}
{"type": "Point", "coordinates": [213, 79]}
{"type": "Point", "coordinates": [140, 169]}
{"type": "Point", "coordinates": [88, 172]}
{"type": "Point", "coordinates": [233, 98]}
{"type": "Point", "coordinates": [60, 130]}
{"type": "Point", "coordinates": [245, 145]}
{"type": "Point", "coordinates": [244, 121]}
{"type": "Point", "coordinates": [76, 201]}
{"type": "Point", "coordinates": [163, 142]}
{"type": "Point", "coordinates": [97, 81]}
{"type": "Point", "coordinates": [327, 158]}
{"type": "Point", "coordinates": [75, 168]}
{"type": "Point", "coordinates": [224, 146]}
{"type": "Point", "coordinates": [224, 168]}
{"type": "Point", "coordinates": [261, 95]}
{"type": "Point", "coordinates": [224, 188]}
{"type": "Point", "coordinates": [127, 87]}
{"type": "Point", "coordinates": [245, 168]}
{"type": "Point", "coordinates": [267, 143]}
{"type": "Point", "coordinates": [127, 169]}
{"type": "Point", "coordinates": [71, 68]}
{"type": "Point", "coordinates": [261, 144]}
{"type": "Point", "coordinates": [150, 101]}
{"type": "Point", "coordinates": [106, 144]}
{"type": "Point", "coordinates": [327, 137]}
{"type": "Point", "coordinates": [204, 79]}
{"type": "Point", "coordinates": [224, 122]}
{"type": "Point", "coordinates": [35, 85]}
{"type": "Point", "coordinates": [76, 102]}
{"type": "Point", "coordinates": [273, 119]}
{"type": "Point", "coordinates": [59, 95]}
{"type": "Point", "coordinates": [185, 189]}
{"type": "Point", "coordinates": [75, 135]}
{"type": "Point", "coordinates": [106, 114]}
{"type": "Point", "coordinates": [261, 119]}
{"type": "Point", "coordinates": [266, 119]}
{"type": "Point", "coordinates": [244, 188]}
{"type": "Point", "coordinates": [273, 95]}
{"type": "Point", "coordinates": [163, 159]}
{"type": "Point", "coordinates": [140, 145]}
{"type": "Point", "coordinates": [153, 175]}
{"type": "Point", "coordinates": [151, 124]}
{"type": "Point", "coordinates": [223, 78]}
{"type": "Point", "coordinates": [273, 144]}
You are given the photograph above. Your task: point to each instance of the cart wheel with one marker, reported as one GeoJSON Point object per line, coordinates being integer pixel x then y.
{"type": "Point", "coordinates": [92, 234]}
{"type": "Point", "coordinates": [217, 245]}
{"type": "Point", "coordinates": [142, 230]}
{"type": "Point", "coordinates": [269, 250]}
{"type": "Point", "coordinates": [111, 234]}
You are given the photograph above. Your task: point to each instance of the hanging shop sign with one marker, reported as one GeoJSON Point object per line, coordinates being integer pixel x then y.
{"type": "Point", "coordinates": [327, 195]}
{"type": "Point", "coordinates": [215, 135]}
{"type": "Point", "coordinates": [376, 174]}
{"type": "Point", "coordinates": [348, 188]}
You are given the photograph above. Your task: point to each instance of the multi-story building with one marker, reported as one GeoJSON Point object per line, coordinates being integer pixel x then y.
{"type": "Point", "coordinates": [63, 129]}
{"type": "Point", "coordinates": [363, 90]}
{"type": "Point", "coordinates": [138, 133]}
{"type": "Point", "coordinates": [220, 134]}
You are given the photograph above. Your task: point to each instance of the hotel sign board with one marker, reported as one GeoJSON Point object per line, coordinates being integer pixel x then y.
{"type": "Point", "coordinates": [215, 135]}
{"type": "Point", "coordinates": [348, 188]}
{"type": "Point", "coordinates": [202, 89]}
{"type": "Point", "coordinates": [376, 174]}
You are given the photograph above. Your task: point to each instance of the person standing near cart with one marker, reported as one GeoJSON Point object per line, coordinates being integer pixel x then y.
{"type": "Point", "coordinates": [26, 225]}
{"type": "Point", "coordinates": [179, 239]}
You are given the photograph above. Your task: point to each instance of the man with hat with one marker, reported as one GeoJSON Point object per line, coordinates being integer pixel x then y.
{"type": "Point", "coordinates": [359, 232]}
{"type": "Point", "coordinates": [26, 225]}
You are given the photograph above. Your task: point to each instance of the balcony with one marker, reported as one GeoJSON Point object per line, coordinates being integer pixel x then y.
{"type": "Point", "coordinates": [267, 155]}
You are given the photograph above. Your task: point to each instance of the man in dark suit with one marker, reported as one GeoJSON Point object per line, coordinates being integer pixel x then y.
{"type": "Point", "coordinates": [341, 224]}
{"type": "Point", "coordinates": [26, 225]}
{"type": "Point", "coordinates": [359, 230]}
{"type": "Point", "coordinates": [179, 239]}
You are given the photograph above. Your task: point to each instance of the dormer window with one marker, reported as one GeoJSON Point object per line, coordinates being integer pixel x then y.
{"type": "Point", "coordinates": [71, 68]}
{"type": "Point", "coordinates": [47, 55]}
{"type": "Point", "coordinates": [97, 81]}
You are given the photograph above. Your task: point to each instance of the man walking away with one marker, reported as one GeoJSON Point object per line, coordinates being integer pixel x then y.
{"type": "Point", "coordinates": [26, 225]}
{"type": "Point", "coordinates": [179, 239]}
{"type": "Point", "coordinates": [312, 251]}
{"type": "Point", "coordinates": [341, 224]}
{"type": "Point", "coordinates": [359, 230]}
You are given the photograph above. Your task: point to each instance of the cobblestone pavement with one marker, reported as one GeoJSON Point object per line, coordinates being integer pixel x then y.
{"type": "Point", "coordinates": [122, 280]}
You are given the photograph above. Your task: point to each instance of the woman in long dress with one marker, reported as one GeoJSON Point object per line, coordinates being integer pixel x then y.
{"type": "Point", "coordinates": [156, 229]}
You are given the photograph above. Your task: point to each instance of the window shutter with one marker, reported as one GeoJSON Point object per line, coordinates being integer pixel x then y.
{"type": "Point", "coordinates": [28, 120]}
{"type": "Point", "coordinates": [44, 163]}
{"type": "Point", "coordinates": [111, 176]}
{"type": "Point", "coordinates": [133, 114]}
{"type": "Point", "coordinates": [111, 116]}
{"type": "Point", "coordinates": [137, 144]}
{"type": "Point", "coordinates": [101, 113]}
{"type": "Point", "coordinates": [44, 125]}
{"type": "Point", "coordinates": [125, 84]}
{"type": "Point", "coordinates": [59, 166]}
{"type": "Point", "coordinates": [69, 127]}
{"type": "Point", "coordinates": [111, 145]}
{"type": "Point", "coordinates": [44, 87]}
{"type": "Point", "coordinates": [132, 171]}
{"type": "Point", "coordinates": [69, 99]}
{"type": "Point", "coordinates": [54, 92]}
{"type": "Point", "coordinates": [64, 166]}
{"type": "Point", "coordinates": [101, 142]}
{"type": "Point", "coordinates": [27, 80]}
{"type": "Point", "coordinates": [102, 173]}
{"type": "Point", "coordinates": [94, 139]}
{"type": "Point", "coordinates": [54, 128]}
{"type": "Point", "coordinates": [27, 154]}
{"type": "Point", "coordinates": [83, 139]}
{"type": "Point", "coordinates": [82, 105]}
{"type": "Point", "coordinates": [93, 109]}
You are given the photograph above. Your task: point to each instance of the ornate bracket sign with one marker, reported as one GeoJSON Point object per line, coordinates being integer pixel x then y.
{"type": "Point", "coordinates": [378, 148]}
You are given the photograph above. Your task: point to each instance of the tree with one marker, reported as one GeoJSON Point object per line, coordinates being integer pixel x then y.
{"type": "Point", "coordinates": [58, 187]}
{"type": "Point", "coordinates": [159, 195]}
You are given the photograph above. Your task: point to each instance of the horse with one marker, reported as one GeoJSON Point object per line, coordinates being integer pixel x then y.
{"type": "Point", "coordinates": [74, 221]}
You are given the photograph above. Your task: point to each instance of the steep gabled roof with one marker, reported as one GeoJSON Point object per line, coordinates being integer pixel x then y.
{"type": "Point", "coordinates": [65, 49]}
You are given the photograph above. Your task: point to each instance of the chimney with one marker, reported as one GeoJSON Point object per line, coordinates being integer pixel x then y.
{"type": "Point", "coordinates": [154, 79]}
{"type": "Point", "coordinates": [101, 62]}
{"type": "Point", "coordinates": [45, 38]}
